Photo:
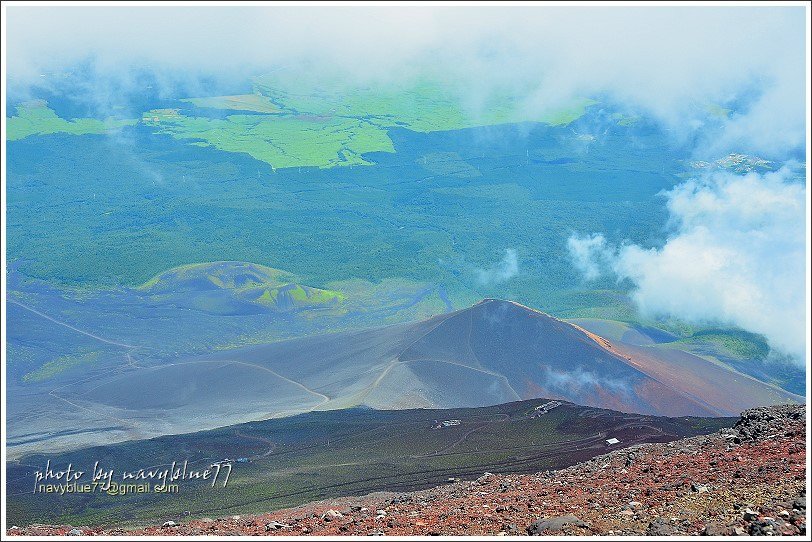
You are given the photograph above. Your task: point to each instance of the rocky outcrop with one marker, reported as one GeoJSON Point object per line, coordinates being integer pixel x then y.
{"type": "Point", "coordinates": [767, 422]}
{"type": "Point", "coordinates": [547, 525]}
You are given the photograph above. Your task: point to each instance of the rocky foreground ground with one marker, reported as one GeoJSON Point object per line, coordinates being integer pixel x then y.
{"type": "Point", "coordinates": [747, 480]}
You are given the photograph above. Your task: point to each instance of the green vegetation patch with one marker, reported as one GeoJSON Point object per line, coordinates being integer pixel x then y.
{"type": "Point", "coordinates": [335, 125]}
{"type": "Point", "coordinates": [62, 364]}
{"type": "Point", "coordinates": [733, 343]}
{"type": "Point", "coordinates": [448, 163]}
{"type": "Point", "coordinates": [282, 141]}
{"type": "Point", "coordinates": [717, 111]}
{"type": "Point", "coordinates": [240, 102]}
{"type": "Point", "coordinates": [424, 106]}
{"type": "Point", "coordinates": [313, 295]}
{"type": "Point", "coordinates": [626, 120]}
{"type": "Point", "coordinates": [36, 118]}
{"type": "Point", "coordinates": [299, 296]}
{"type": "Point", "coordinates": [226, 275]}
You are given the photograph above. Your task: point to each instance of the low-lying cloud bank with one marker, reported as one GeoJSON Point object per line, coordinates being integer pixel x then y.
{"type": "Point", "coordinates": [736, 255]}
{"type": "Point", "coordinates": [667, 62]}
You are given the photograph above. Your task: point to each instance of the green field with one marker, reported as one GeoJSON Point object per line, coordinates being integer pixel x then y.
{"type": "Point", "coordinates": [423, 106]}
{"type": "Point", "coordinates": [280, 141]}
{"type": "Point", "coordinates": [240, 102]}
{"type": "Point", "coordinates": [335, 127]}
{"type": "Point", "coordinates": [35, 118]}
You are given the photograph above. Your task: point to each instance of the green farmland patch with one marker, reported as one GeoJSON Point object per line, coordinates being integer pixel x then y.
{"type": "Point", "coordinates": [36, 118]}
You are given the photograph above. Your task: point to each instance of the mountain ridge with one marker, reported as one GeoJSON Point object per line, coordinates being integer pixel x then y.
{"type": "Point", "coordinates": [491, 353]}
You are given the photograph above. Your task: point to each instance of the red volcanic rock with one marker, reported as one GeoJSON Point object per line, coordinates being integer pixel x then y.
{"type": "Point", "coordinates": [746, 480]}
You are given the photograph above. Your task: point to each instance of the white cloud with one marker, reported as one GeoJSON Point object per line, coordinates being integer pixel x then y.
{"type": "Point", "coordinates": [578, 380]}
{"type": "Point", "coordinates": [737, 255]}
{"type": "Point", "coordinates": [502, 271]}
{"type": "Point", "coordinates": [586, 252]}
{"type": "Point", "coordinates": [664, 61]}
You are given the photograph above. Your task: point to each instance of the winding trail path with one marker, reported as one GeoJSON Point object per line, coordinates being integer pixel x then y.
{"type": "Point", "coordinates": [76, 329]}
{"type": "Point", "coordinates": [131, 428]}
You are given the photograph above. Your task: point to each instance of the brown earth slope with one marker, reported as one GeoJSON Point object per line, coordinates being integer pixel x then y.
{"type": "Point", "coordinates": [750, 479]}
